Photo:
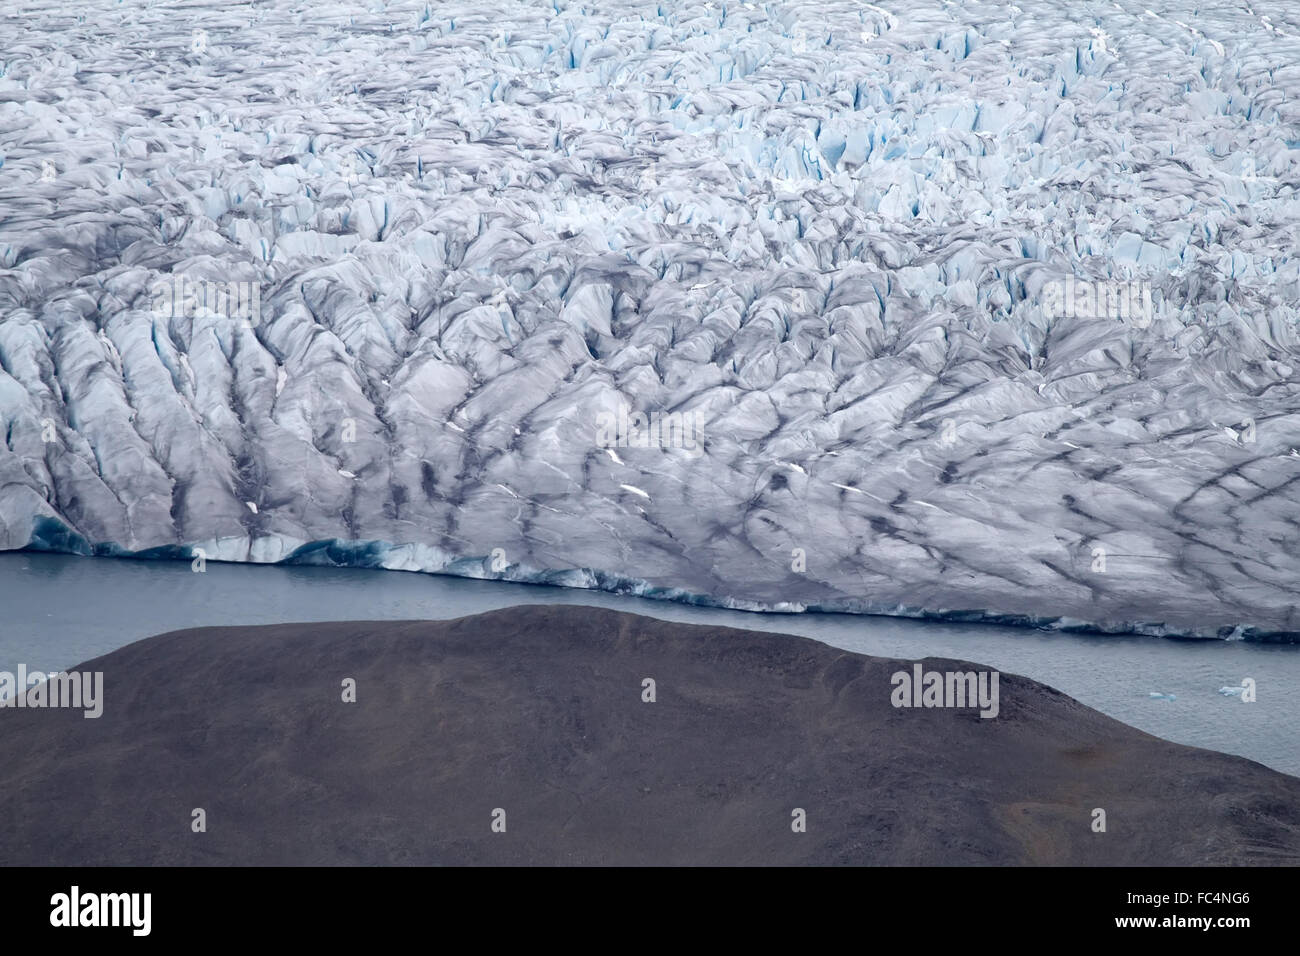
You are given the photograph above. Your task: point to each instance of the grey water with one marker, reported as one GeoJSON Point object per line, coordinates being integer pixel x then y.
{"type": "Point", "coordinates": [57, 611]}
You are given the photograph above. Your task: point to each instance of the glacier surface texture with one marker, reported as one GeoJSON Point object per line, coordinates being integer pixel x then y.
{"type": "Point", "coordinates": [366, 283]}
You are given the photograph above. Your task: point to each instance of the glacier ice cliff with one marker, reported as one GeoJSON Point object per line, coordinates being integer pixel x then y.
{"type": "Point", "coordinates": [866, 247]}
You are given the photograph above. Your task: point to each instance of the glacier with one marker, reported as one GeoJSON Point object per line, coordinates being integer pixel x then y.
{"type": "Point", "coordinates": [356, 283]}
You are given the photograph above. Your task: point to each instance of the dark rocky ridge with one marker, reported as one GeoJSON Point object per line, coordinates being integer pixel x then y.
{"type": "Point", "coordinates": [538, 710]}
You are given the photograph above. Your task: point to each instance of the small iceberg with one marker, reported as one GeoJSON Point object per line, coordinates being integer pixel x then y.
{"type": "Point", "coordinates": [1231, 691]}
{"type": "Point", "coordinates": [1157, 696]}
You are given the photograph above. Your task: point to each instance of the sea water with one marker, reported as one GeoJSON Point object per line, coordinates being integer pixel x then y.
{"type": "Point", "coordinates": [57, 611]}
